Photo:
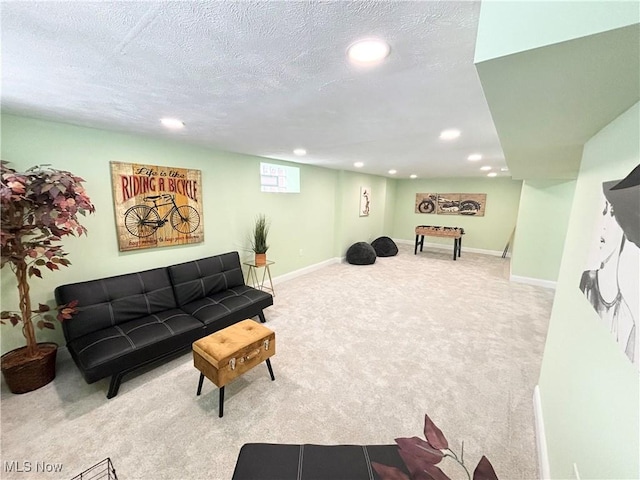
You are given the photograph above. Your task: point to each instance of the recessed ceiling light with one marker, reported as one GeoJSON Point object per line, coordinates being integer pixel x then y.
{"type": "Point", "coordinates": [172, 123]}
{"type": "Point", "coordinates": [474, 157]}
{"type": "Point", "coordinates": [358, 164]}
{"type": "Point", "coordinates": [492, 174]}
{"type": "Point", "coordinates": [300, 152]}
{"type": "Point", "coordinates": [485, 168]}
{"type": "Point", "coordinates": [413, 176]}
{"type": "Point", "coordinates": [393, 172]}
{"type": "Point", "coordinates": [504, 169]}
{"type": "Point", "coordinates": [368, 51]}
{"type": "Point", "coordinates": [449, 134]}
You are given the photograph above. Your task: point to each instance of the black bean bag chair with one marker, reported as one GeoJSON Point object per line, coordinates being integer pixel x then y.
{"type": "Point", "coordinates": [384, 247]}
{"type": "Point", "coordinates": [361, 253]}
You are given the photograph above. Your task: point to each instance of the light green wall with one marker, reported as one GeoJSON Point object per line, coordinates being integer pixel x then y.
{"type": "Point", "coordinates": [541, 229]}
{"type": "Point", "coordinates": [306, 228]}
{"type": "Point", "coordinates": [390, 207]}
{"type": "Point", "coordinates": [352, 227]}
{"type": "Point", "coordinates": [490, 232]}
{"type": "Point", "coordinates": [508, 27]}
{"type": "Point", "coordinates": [589, 389]}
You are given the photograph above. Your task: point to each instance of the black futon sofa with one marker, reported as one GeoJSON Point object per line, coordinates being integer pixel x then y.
{"type": "Point", "coordinates": [127, 321]}
{"type": "Point", "coordinates": [270, 461]}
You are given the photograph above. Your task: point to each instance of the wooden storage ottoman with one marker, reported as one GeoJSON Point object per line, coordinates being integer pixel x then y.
{"type": "Point", "coordinates": [232, 351]}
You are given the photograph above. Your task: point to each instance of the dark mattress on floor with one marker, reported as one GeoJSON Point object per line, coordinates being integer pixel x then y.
{"type": "Point", "coordinates": [268, 461]}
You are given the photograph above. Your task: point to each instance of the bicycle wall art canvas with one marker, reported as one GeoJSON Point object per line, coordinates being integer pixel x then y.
{"type": "Point", "coordinates": [469, 204]}
{"type": "Point", "coordinates": [156, 206]}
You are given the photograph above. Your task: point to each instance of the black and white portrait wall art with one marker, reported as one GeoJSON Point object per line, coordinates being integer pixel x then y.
{"type": "Point", "coordinates": [365, 201]}
{"type": "Point", "coordinates": [611, 281]}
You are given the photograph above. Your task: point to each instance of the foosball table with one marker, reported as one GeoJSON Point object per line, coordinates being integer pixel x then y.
{"type": "Point", "coordinates": [437, 231]}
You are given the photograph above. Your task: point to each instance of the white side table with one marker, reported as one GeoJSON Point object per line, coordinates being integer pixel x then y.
{"type": "Point", "coordinates": [256, 282]}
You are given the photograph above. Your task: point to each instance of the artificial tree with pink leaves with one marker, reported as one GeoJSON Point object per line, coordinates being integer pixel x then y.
{"type": "Point", "coordinates": [421, 457]}
{"type": "Point", "coordinates": [39, 207]}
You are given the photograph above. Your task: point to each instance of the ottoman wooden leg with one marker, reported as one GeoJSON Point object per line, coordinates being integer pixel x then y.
{"type": "Point", "coordinates": [200, 384]}
{"type": "Point", "coordinates": [221, 403]}
{"type": "Point", "coordinates": [270, 369]}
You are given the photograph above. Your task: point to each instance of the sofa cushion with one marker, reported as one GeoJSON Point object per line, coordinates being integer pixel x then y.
{"type": "Point", "coordinates": [115, 300]}
{"type": "Point", "coordinates": [103, 352]}
{"type": "Point", "coordinates": [201, 278]}
{"type": "Point", "coordinates": [245, 300]}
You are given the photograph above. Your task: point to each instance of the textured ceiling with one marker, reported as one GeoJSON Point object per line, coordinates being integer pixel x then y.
{"type": "Point", "coordinates": [260, 78]}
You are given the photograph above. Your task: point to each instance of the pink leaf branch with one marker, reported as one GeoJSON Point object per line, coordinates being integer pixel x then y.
{"type": "Point", "coordinates": [434, 435]}
{"type": "Point", "coordinates": [484, 470]}
{"type": "Point", "coordinates": [64, 312]}
{"type": "Point", "coordinates": [420, 467]}
{"type": "Point", "coordinates": [389, 473]}
{"type": "Point", "coordinates": [419, 448]}
{"type": "Point", "coordinates": [421, 456]}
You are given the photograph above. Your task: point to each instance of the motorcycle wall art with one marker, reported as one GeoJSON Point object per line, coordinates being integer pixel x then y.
{"type": "Point", "coordinates": [470, 204]}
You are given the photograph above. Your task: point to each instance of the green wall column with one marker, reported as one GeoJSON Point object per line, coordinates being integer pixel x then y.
{"type": "Point", "coordinates": [352, 227]}
{"type": "Point", "coordinates": [589, 389]}
{"type": "Point", "coordinates": [541, 229]}
{"type": "Point", "coordinates": [510, 27]}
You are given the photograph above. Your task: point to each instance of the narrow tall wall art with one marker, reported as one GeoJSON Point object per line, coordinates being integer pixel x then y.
{"type": "Point", "coordinates": [365, 201]}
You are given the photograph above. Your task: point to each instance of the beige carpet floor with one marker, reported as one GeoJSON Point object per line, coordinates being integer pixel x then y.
{"type": "Point", "coordinates": [362, 353]}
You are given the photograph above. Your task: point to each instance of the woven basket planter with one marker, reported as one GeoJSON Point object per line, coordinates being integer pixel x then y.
{"type": "Point", "coordinates": [24, 374]}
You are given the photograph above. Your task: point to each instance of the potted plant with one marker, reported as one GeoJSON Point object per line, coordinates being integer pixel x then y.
{"type": "Point", "coordinates": [259, 239]}
{"type": "Point", "coordinates": [39, 207]}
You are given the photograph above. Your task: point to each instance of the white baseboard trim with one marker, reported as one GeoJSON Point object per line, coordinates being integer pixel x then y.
{"type": "Point", "coordinates": [541, 440]}
{"type": "Point", "coordinates": [533, 281]}
{"type": "Point", "coordinates": [305, 270]}
{"type": "Point", "coordinates": [444, 246]}
{"type": "Point", "coordinates": [403, 241]}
